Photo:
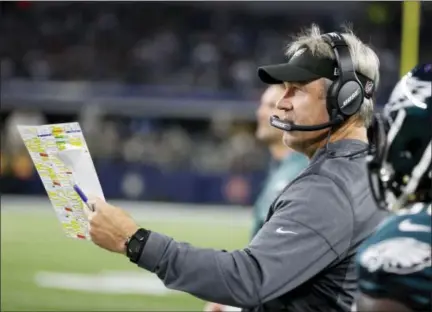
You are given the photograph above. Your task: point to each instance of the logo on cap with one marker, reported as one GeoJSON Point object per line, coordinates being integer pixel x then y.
{"type": "Point", "coordinates": [298, 53]}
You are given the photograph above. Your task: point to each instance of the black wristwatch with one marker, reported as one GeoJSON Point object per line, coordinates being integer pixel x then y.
{"type": "Point", "coordinates": [135, 244]}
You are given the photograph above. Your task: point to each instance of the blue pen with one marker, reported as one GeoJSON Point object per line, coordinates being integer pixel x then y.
{"type": "Point", "coordinates": [83, 196]}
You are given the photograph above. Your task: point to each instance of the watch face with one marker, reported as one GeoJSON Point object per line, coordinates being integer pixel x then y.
{"type": "Point", "coordinates": [140, 235]}
{"type": "Point", "coordinates": [133, 249]}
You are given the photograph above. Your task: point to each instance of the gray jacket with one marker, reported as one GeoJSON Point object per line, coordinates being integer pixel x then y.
{"type": "Point", "coordinates": [302, 259]}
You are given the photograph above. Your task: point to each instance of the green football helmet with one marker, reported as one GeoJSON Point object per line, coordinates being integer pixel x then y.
{"type": "Point", "coordinates": [399, 160]}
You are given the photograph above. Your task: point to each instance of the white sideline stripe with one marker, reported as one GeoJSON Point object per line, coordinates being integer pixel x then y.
{"type": "Point", "coordinates": [5, 199]}
{"type": "Point", "coordinates": [145, 211]}
{"type": "Point", "coordinates": [116, 282]}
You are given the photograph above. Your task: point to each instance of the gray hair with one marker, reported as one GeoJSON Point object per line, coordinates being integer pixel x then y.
{"type": "Point", "coordinates": [364, 59]}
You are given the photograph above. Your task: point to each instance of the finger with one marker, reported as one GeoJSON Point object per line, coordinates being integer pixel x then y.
{"type": "Point", "coordinates": [95, 202]}
{"type": "Point", "coordinates": [91, 216]}
{"type": "Point", "coordinates": [88, 209]}
{"type": "Point", "coordinates": [95, 198]}
{"type": "Point", "coordinates": [92, 198]}
{"type": "Point", "coordinates": [91, 204]}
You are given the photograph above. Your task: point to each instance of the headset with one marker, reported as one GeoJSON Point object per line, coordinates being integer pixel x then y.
{"type": "Point", "coordinates": [344, 96]}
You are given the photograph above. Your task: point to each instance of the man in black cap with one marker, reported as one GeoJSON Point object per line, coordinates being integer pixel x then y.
{"type": "Point", "coordinates": [302, 259]}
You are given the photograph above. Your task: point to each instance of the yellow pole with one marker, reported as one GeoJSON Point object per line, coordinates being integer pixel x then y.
{"type": "Point", "coordinates": [410, 36]}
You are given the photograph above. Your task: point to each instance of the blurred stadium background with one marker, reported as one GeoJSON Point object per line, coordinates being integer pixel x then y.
{"type": "Point", "coordinates": [165, 93]}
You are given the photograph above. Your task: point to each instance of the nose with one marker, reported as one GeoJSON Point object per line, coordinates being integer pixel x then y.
{"type": "Point", "coordinates": [284, 104]}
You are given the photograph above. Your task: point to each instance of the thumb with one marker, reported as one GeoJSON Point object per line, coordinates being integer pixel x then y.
{"type": "Point", "coordinates": [95, 203]}
{"type": "Point", "coordinates": [90, 205]}
{"type": "Point", "coordinates": [88, 209]}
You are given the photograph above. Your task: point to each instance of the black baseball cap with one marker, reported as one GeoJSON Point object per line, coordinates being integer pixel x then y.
{"type": "Point", "coordinates": [303, 66]}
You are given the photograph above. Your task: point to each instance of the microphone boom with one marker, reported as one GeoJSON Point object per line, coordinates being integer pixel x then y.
{"type": "Point", "coordinates": [288, 126]}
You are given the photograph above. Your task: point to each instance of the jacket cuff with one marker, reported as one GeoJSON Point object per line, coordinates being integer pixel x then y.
{"type": "Point", "coordinates": [153, 251]}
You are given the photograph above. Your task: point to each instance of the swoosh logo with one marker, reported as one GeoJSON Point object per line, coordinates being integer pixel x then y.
{"type": "Point", "coordinates": [281, 231]}
{"type": "Point", "coordinates": [407, 226]}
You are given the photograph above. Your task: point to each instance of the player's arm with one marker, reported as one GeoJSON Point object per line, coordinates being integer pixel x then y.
{"type": "Point", "coordinates": [310, 229]}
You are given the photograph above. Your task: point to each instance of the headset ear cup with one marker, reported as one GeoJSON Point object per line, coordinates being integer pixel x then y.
{"type": "Point", "coordinates": [350, 98]}
{"type": "Point", "coordinates": [332, 98]}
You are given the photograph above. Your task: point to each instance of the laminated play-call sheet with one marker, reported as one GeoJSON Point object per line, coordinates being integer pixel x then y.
{"type": "Point", "coordinates": [62, 159]}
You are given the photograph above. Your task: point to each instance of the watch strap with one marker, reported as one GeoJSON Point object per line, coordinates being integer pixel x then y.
{"type": "Point", "coordinates": [135, 244]}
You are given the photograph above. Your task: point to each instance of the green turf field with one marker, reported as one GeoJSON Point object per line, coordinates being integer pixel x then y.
{"type": "Point", "coordinates": [33, 242]}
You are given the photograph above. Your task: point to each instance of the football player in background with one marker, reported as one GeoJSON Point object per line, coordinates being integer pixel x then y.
{"type": "Point", "coordinates": [394, 265]}
{"type": "Point", "coordinates": [285, 163]}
